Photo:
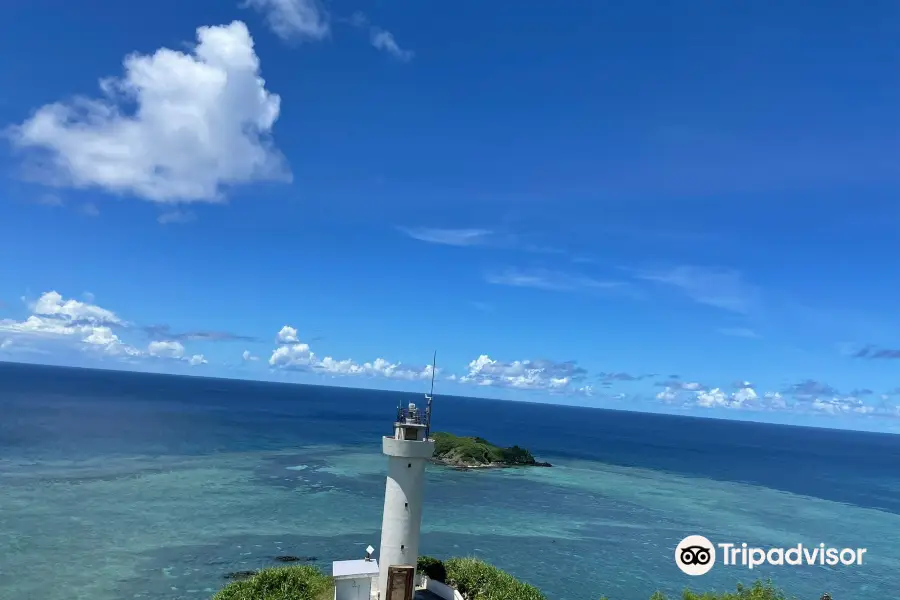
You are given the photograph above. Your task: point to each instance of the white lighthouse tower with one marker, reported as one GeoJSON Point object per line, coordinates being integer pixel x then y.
{"type": "Point", "coordinates": [408, 449]}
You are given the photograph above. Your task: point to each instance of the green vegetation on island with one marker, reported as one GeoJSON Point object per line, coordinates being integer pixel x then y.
{"type": "Point", "coordinates": [475, 452]}
{"type": "Point", "coordinates": [472, 577]}
{"type": "Point", "coordinates": [478, 580]}
{"type": "Point", "coordinates": [303, 582]}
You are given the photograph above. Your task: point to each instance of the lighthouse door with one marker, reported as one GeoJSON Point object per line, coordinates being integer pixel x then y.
{"type": "Point", "coordinates": [400, 582]}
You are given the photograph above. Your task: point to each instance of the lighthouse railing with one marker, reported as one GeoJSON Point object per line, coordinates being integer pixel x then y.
{"type": "Point", "coordinates": [410, 416]}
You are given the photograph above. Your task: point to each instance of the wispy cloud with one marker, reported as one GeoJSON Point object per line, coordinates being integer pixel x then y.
{"type": "Point", "coordinates": [176, 217]}
{"type": "Point", "coordinates": [546, 279]}
{"type": "Point", "coordinates": [381, 39]}
{"type": "Point", "coordinates": [874, 353]}
{"type": "Point", "coordinates": [480, 237]}
{"type": "Point", "coordinates": [810, 388]}
{"type": "Point", "coordinates": [49, 200]}
{"type": "Point", "coordinates": [450, 237]}
{"type": "Point", "coordinates": [384, 40]}
{"type": "Point", "coordinates": [164, 332]}
{"type": "Point", "coordinates": [90, 210]}
{"type": "Point", "coordinates": [293, 20]}
{"type": "Point", "coordinates": [720, 288]}
{"type": "Point", "coordinates": [743, 332]}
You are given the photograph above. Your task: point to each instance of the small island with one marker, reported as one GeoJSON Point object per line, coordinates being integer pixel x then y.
{"type": "Point", "coordinates": [464, 453]}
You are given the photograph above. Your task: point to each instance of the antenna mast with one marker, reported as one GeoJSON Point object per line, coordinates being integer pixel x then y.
{"type": "Point", "coordinates": [430, 397]}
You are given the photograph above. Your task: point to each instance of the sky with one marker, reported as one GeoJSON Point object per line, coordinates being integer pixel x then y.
{"type": "Point", "coordinates": [682, 207]}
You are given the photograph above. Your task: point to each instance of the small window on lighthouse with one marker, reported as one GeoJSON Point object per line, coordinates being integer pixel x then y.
{"type": "Point", "coordinates": [409, 466]}
{"type": "Point", "coordinates": [406, 504]}
{"type": "Point", "coordinates": [402, 546]}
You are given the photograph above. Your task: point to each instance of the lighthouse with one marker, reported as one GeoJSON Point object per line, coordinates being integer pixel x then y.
{"type": "Point", "coordinates": [408, 450]}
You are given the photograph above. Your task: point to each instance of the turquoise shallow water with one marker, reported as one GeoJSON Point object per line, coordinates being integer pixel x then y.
{"type": "Point", "coordinates": [169, 518]}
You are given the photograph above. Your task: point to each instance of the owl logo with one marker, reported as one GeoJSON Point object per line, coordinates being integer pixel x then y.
{"type": "Point", "coordinates": [695, 555]}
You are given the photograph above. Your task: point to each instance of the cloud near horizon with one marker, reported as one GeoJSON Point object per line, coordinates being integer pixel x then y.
{"type": "Point", "coordinates": [57, 322]}
{"type": "Point", "coordinates": [292, 354]}
{"type": "Point", "coordinates": [85, 327]}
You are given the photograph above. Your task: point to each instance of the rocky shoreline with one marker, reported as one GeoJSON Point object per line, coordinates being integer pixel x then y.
{"type": "Point", "coordinates": [458, 466]}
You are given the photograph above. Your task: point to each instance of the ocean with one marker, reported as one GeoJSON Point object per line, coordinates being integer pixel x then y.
{"type": "Point", "coordinates": [118, 485]}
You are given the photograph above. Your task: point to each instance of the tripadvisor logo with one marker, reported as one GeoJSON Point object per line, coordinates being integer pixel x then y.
{"type": "Point", "coordinates": [696, 555]}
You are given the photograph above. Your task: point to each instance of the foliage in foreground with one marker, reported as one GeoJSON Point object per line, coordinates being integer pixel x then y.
{"type": "Point", "coordinates": [476, 450]}
{"type": "Point", "coordinates": [432, 568]}
{"type": "Point", "coordinates": [474, 578]}
{"type": "Point", "coordinates": [760, 590]}
{"type": "Point", "coordinates": [304, 582]}
{"type": "Point", "coordinates": [477, 580]}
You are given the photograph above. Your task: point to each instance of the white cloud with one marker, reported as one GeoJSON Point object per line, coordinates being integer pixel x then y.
{"type": "Point", "coordinates": [201, 121]}
{"type": "Point", "coordinates": [64, 327]}
{"type": "Point", "coordinates": [6, 344]}
{"type": "Point", "coordinates": [295, 355]}
{"type": "Point", "coordinates": [712, 398]}
{"type": "Point", "coordinates": [166, 349]}
{"type": "Point", "coordinates": [744, 396]}
{"type": "Point", "coordinates": [301, 20]}
{"type": "Point", "coordinates": [103, 339]}
{"type": "Point", "coordinates": [87, 327]}
{"type": "Point", "coordinates": [56, 318]}
{"type": "Point", "coordinates": [248, 357]}
{"type": "Point", "coordinates": [51, 304]}
{"type": "Point", "coordinates": [839, 405]}
{"type": "Point", "coordinates": [384, 40]}
{"type": "Point", "coordinates": [174, 350]}
{"type": "Point", "coordinates": [524, 374]}
{"type": "Point", "coordinates": [44, 326]}
{"type": "Point", "coordinates": [287, 335]}
{"type": "Point", "coordinates": [292, 356]}
{"type": "Point", "coordinates": [667, 395]}
{"type": "Point", "coordinates": [379, 367]}
{"type": "Point", "coordinates": [775, 400]}
{"type": "Point", "coordinates": [449, 237]}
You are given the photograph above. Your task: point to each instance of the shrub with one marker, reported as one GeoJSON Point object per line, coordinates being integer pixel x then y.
{"type": "Point", "coordinates": [303, 582]}
{"type": "Point", "coordinates": [477, 580]}
{"type": "Point", "coordinates": [760, 590]}
{"type": "Point", "coordinates": [432, 568]}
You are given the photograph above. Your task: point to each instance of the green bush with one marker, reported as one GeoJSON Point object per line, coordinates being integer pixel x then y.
{"type": "Point", "coordinates": [760, 590]}
{"type": "Point", "coordinates": [477, 580]}
{"type": "Point", "coordinates": [302, 582]}
{"type": "Point", "coordinates": [432, 568]}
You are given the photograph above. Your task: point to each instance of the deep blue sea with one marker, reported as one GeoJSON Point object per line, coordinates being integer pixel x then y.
{"type": "Point", "coordinates": [119, 485]}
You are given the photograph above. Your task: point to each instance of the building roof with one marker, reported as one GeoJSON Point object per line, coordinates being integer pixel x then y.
{"type": "Point", "coordinates": [354, 569]}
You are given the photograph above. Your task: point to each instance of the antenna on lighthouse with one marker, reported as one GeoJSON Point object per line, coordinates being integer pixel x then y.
{"type": "Point", "coordinates": [430, 397]}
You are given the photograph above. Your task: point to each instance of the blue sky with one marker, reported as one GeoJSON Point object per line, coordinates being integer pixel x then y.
{"type": "Point", "coordinates": [672, 207]}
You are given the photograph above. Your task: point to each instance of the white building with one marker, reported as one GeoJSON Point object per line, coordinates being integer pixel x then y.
{"type": "Point", "coordinates": [408, 450]}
